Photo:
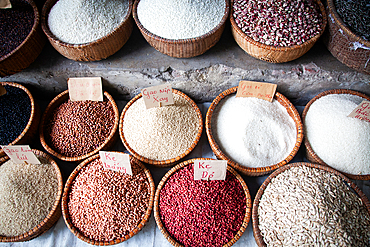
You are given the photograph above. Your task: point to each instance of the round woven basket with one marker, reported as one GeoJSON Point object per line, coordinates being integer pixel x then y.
{"type": "Point", "coordinates": [178, 167]}
{"type": "Point", "coordinates": [56, 102]}
{"type": "Point", "coordinates": [343, 44]}
{"type": "Point", "coordinates": [55, 211]}
{"type": "Point", "coordinates": [168, 162]}
{"type": "Point", "coordinates": [270, 53]}
{"type": "Point", "coordinates": [32, 126]}
{"type": "Point", "coordinates": [92, 51]}
{"type": "Point", "coordinates": [250, 171]}
{"type": "Point", "coordinates": [65, 200]}
{"type": "Point", "coordinates": [255, 219]}
{"type": "Point", "coordinates": [310, 153]}
{"type": "Point", "coordinates": [27, 52]}
{"type": "Point", "coordinates": [183, 48]}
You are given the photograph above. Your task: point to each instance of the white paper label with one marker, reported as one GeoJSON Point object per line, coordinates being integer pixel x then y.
{"type": "Point", "coordinates": [362, 111]}
{"type": "Point", "coordinates": [5, 4]}
{"type": "Point", "coordinates": [119, 162]}
{"type": "Point", "coordinates": [21, 154]}
{"type": "Point", "coordinates": [157, 96]}
{"type": "Point", "coordinates": [85, 88]}
{"type": "Point", "coordinates": [210, 169]}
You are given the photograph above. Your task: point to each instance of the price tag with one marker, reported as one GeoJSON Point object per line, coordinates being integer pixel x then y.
{"type": "Point", "coordinates": [2, 90]}
{"type": "Point", "coordinates": [261, 90]}
{"type": "Point", "coordinates": [210, 169]}
{"type": "Point", "coordinates": [85, 88]}
{"type": "Point", "coordinates": [362, 111]}
{"type": "Point", "coordinates": [21, 154]}
{"type": "Point", "coordinates": [119, 162]}
{"type": "Point", "coordinates": [157, 96]}
{"type": "Point", "coordinates": [5, 4]}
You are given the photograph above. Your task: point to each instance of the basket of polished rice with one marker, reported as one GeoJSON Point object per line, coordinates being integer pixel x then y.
{"type": "Point", "coordinates": [30, 197]}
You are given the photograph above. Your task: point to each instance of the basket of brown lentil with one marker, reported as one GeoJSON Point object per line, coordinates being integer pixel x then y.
{"type": "Point", "coordinates": [19, 115]}
{"type": "Point", "coordinates": [254, 136]}
{"type": "Point", "coordinates": [21, 37]}
{"type": "Point", "coordinates": [304, 204]}
{"type": "Point", "coordinates": [76, 130]}
{"type": "Point", "coordinates": [121, 210]}
{"type": "Point", "coordinates": [277, 31]}
{"type": "Point", "coordinates": [161, 136]}
{"type": "Point", "coordinates": [30, 198]}
{"type": "Point", "coordinates": [201, 213]}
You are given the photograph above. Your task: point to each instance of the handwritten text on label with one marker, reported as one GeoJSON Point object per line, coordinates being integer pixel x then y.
{"type": "Point", "coordinates": [21, 154]}
{"type": "Point", "coordinates": [210, 169]}
{"type": "Point", "coordinates": [157, 96]}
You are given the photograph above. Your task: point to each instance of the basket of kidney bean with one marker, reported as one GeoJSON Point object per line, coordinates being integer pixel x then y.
{"type": "Point", "coordinates": [277, 31]}
{"type": "Point", "coordinates": [19, 115]}
{"type": "Point", "coordinates": [105, 207]}
{"type": "Point", "coordinates": [199, 212]}
{"type": "Point", "coordinates": [76, 130]}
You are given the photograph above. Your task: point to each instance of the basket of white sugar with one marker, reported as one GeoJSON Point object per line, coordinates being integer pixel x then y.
{"type": "Point", "coordinates": [30, 197]}
{"type": "Point", "coordinates": [87, 30]}
{"type": "Point", "coordinates": [255, 136]}
{"type": "Point", "coordinates": [181, 28]}
{"type": "Point", "coordinates": [335, 139]}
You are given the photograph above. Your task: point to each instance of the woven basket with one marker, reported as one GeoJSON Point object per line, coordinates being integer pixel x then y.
{"type": "Point", "coordinates": [54, 213]}
{"type": "Point", "coordinates": [57, 101]}
{"type": "Point", "coordinates": [343, 44]}
{"type": "Point", "coordinates": [161, 163]}
{"type": "Point", "coordinates": [32, 126]}
{"type": "Point", "coordinates": [92, 51]}
{"type": "Point", "coordinates": [250, 171]}
{"type": "Point", "coordinates": [255, 219]}
{"type": "Point", "coordinates": [270, 53]}
{"type": "Point", "coordinates": [310, 153]}
{"type": "Point", "coordinates": [183, 48]}
{"type": "Point", "coordinates": [178, 167]}
{"type": "Point", "coordinates": [65, 201]}
{"type": "Point", "coordinates": [27, 52]}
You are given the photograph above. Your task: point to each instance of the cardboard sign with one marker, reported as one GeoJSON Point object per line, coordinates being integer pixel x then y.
{"type": "Point", "coordinates": [210, 169]}
{"type": "Point", "coordinates": [119, 162]}
{"type": "Point", "coordinates": [157, 96]}
{"type": "Point", "coordinates": [2, 90]}
{"type": "Point", "coordinates": [261, 90]}
{"type": "Point", "coordinates": [5, 4]}
{"type": "Point", "coordinates": [362, 111]}
{"type": "Point", "coordinates": [21, 154]}
{"type": "Point", "coordinates": [85, 88]}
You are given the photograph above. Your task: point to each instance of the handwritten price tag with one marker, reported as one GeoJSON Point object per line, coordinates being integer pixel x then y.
{"type": "Point", "coordinates": [362, 111]}
{"type": "Point", "coordinates": [85, 88]}
{"type": "Point", "coordinates": [210, 169]}
{"type": "Point", "coordinates": [157, 96]}
{"type": "Point", "coordinates": [2, 90]}
{"type": "Point", "coordinates": [261, 90]}
{"type": "Point", "coordinates": [21, 154]}
{"type": "Point", "coordinates": [5, 4]}
{"type": "Point", "coordinates": [119, 162]}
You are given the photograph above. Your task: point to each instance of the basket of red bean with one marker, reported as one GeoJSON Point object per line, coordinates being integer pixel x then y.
{"type": "Point", "coordinates": [76, 130]}
{"type": "Point", "coordinates": [105, 207]}
{"type": "Point", "coordinates": [200, 212]}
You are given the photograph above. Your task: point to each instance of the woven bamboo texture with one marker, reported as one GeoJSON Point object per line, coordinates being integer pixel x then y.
{"type": "Point", "coordinates": [183, 48]}
{"type": "Point", "coordinates": [54, 213]}
{"type": "Point", "coordinates": [32, 126]}
{"type": "Point", "coordinates": [57, 101]}
{"type": "Point", "coordinates": [250, 171]}
{"type": "Point", "coordinates": [270, 53]}
{"type": "Point", "coordinates": [178, 167]}
{"type": "Point", "coordinates": [65, 200]}
{"type": "Point", "coordinates": [310, 153]}
{"type": "Point", "coordinates": [92, 51]}
{"type": "Point", "coordinates": [343, 44]}
{"type": "Point", "coordinates": [257, 232]}
{"type": "Point", "coordinates": [168, 162]}
{"type": "Point", "coordinates": [27, 52]}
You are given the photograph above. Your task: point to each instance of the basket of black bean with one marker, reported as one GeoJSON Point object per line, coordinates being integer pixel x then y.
{"type": "Point", "coordinates": [21, 36]}
{"type": "Point", "coordinates": [30, 197]}
{"type": "Point", "coordinates": [304, 204]}
{"type": "Point", "coordinates": [19, 115]}
{"type": "Point", "coordinates": [348, 33]}
{"type": "Point", "coordinates": [104, 207]}
{"type": "Point", "coordinates": [75, 130]}
{"type": "Point", "coordinates": [277, 31]}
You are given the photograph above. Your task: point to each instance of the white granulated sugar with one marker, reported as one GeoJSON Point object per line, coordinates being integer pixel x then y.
{"type": "Point", "coordinates": [84, 21]}
{"type": "Point", "coordinates": [180, 19]}
{"type": "Point", "coordinates": [253, 132]}
{"type": "Point", "coordinates": [341, 142]}
{"type": "Point", "coordinates": [161, 133]}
